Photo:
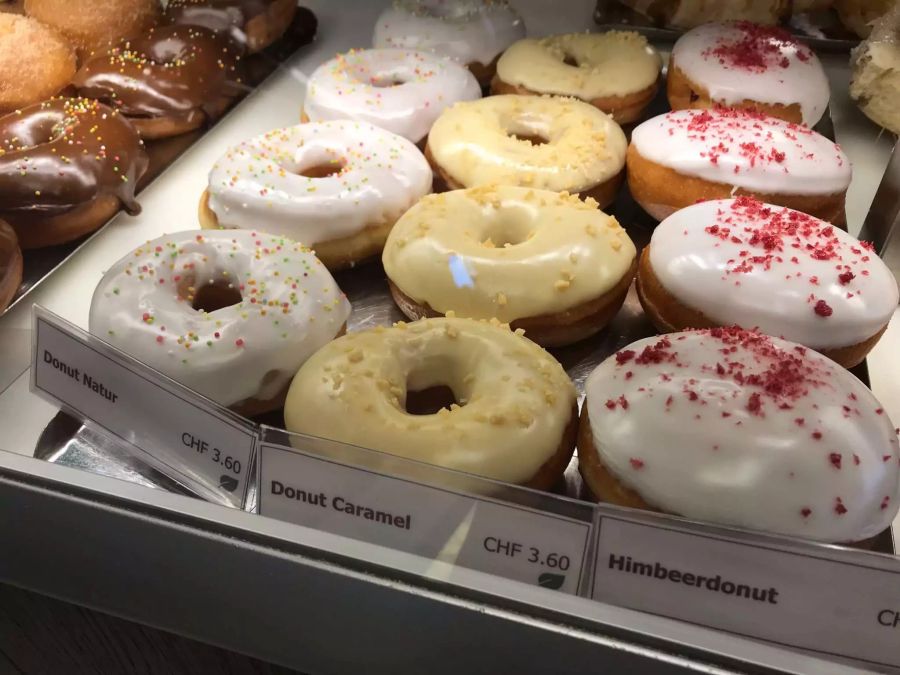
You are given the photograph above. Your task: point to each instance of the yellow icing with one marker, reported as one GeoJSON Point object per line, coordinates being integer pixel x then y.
{"type": "Point", "coordinates": [506, 252]}
{"type": "Point", "coordinates": [515, 400]}
{"type": "Point", "coordinates": [617, 63]}
{"type": "Point", "coordinates": [473, 142]}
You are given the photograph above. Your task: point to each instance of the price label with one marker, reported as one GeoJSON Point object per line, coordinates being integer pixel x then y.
{"type": "Point", "coordinates": [502, 538]}
{"type": "Point", "coordinates": [184, 435]}
{"type": "Point", "coordinates": [847, 605]}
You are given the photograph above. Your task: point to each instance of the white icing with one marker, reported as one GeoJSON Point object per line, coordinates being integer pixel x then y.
{"type": "Point", "coordinates": [744, 149]}
{"type": "Point", "coordinates": [257, 184]}
{"type": "Point", "coordinates": [792, 74]}
{"type": "Point", "coordinates": [290, 307]}
{"type": "Point", "coordinates": [742, 282]}
{"type": "Point", "coordinates": [346, 87]}
{"type": "Point", "coordinates": [467, 31]}
{"type": "Point", "coordinates": [713, 459]}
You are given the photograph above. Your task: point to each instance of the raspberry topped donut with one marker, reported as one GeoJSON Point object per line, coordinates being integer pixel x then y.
{"type": "Point", "coordinates": [231, 315]}
{"type": "Point", "coordinates": [396, 89]}
{"type": "Point", "coordinates": [737, 428]}
{"type": "Point", "coordinates": [618, 71]}
{"type": "Point", "coordinates": [543, 142]}
{"type": "Point", "coordinates": [167, 82]}
{"type": "Point", "coordinates": [781, 271]}
{"type": "Point", "coordinates": [746, 65]}
{"type": "Point", "coordinates": [686, 156]}
{"type": "Point", "coordinates": [471, 32]}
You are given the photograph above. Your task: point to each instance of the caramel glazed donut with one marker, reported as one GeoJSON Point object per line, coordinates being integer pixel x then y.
{"type": "Point", "coordinates": [687, 156]}
{"type": "Point", "coordinates": [737, 428]}
{"type": "Point", "coordinates": [512, 418]}
{"type": "Point", "coordinates": [66, 167]}
{"type": "Point", "coordinates": [166, 83]}
{"type": "Point", "coordinates": [784, 272]}
{"type": "Point", "coordinates": [231, 315]}
{"type": "Point", "coordinates": [549, 263]}
{"type": "Point", "coordinates": [542, 142]}
{"type": "Point", "coordinates": [337, 187]}
{"type": "Point", "coordinates": [253, 24]}
{"type": "Point", "coordinates": [617, 72]}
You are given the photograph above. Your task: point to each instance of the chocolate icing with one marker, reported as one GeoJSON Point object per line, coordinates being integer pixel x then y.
{"type": "Point", "coordinates": [217, 15]}
{"type": "Point", "coordinates": [65, 152]}
{"type": "Point", "coordinates": [173, 71]}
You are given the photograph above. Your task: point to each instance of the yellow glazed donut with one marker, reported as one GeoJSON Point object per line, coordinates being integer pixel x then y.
{"type": "Point", "coordinates": [544, 142]}
{"type": "Point", "coordinates": [617, 72]}
{"type": "Point", "coordinates": [513, 418]}
{"type": "Point", "coordinates": [549, 263]}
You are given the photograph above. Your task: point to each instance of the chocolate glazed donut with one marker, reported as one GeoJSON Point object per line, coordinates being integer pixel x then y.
{"type": "Point", "coordinates": [66, 166]}
{"type": "Point", "coordinates": [168, 82]}
{"type": "Point", "coordinates": [255, 24]}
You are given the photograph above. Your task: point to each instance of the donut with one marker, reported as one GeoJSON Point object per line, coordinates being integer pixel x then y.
{"type": "Point", "coordinates": [462, 394]}
{"type": "Point", "coordinates": [399, 90]}
{"type": "Point", "coordinates": [737, 428]}
{"type": "Point", "coordinates": [168, 82]}
{"type": "Point", "coordinates": [692, 13]}
{"type": "Point", "coordinates": [253, 24]}
{"type": "Point", "coordinates": [549, 263]}
{"type": "Point", "coordinates": [66, 167]}
{"type": "Point", "coordinates": [338, 187]}
{"type": "Point", "coordinates": [739, 261]}
{"type": "Point", "coordinates": [875, 82]}
{"type": "Point", "coordinates": [230, 315]}
{"type": "Point", "coordinates": [10, 265]}
{"type": "Point", "coordinates": [618, 71]}
{"type": "Point", "coordinates": [859, 15]}
{"type": "Point", "coordinates": [686, 156]}
{"type": "Point", "coordinates": [541, 142]}
{"type": "Point", "coordinates": [35, 62]}
{"type": "Point", "coordinates": [93, 25]}
{"type": "Point", "coordinates": [745, 65]}
{"type": "Point", "coordinates": [471, 32]}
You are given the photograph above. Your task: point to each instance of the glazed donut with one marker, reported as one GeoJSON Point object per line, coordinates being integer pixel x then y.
{"type": "Point", "coordinates": [509, 410]}
{"type": "Point", "coordinates": [398, 90]}
{"type": "Point", "coordinates": [168, 82]}
{"type": "Point", "coordinates": [859, 15]}
{"type": "Point", "coordinates": [10, 265]}
{"type": "Point", "coordinates": [542, 142]}
{"type": "Point", "coordinates": [546, 262]}
{"type": "Point", "coordinates": [338, 187]}
{"type": "Point", "coordinates": [66, 167]}
{"type": "Point", "coordinates": [875, 83]}
{"type": "Point", "coordinates": [94, 25]}
{"type": "Point", "coordinates": [737, 428]}
{"type": "Point", "coordinates": [231, 315]}
{"type": "Point", "coordinates": [471, 32]}
{"type": "Point", "coordinates": [686, 156]}
{"type": "Point", "coordinates": [254, 24]}
{"type": "Point", "coordinates": [618, 71]}
{"type": "Point", "coordinates": [739, 261]}
{"type": "Point", "coordinates": [35, 62]}
{"type": "Point", "coordinates": [745, 65]}
{"type": "Point", "coordinates": [692, 13]}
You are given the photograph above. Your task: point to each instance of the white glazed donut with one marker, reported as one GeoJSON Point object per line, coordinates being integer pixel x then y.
{"type": "Point", "coordinates": [742, 262]}
{"type": "Point", "coordinates": [746, 64]}
{"type": "Point", "coordinates": [737, 428]}
{"type": "Point", "coordinates": [277, 305]}
{"type": "Point", "coordinates": [399, 90]}
{"type": "Point", "coordinates": [337, 187]}
{"type": "Point", "coordinates": [471, 32]}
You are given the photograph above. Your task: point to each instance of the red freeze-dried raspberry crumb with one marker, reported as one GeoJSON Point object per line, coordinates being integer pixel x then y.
{"type": "Point", "coordinates": [855, 459]}
{"type": "Point", "coordinates": [884, 502]}
{"type": "Point", "coordinates": [835, 459]}
{"type": "Point", "coordinates": [624, 356]}
{"type": "Point", "coordinates": [756, 48]}
{"type": "Point", "coordinates": [754, 405]}
{"type": "Point", "coordinates": [657, 353]}
{"type": "Point", "coordinates": [839, 507]}
{"type": "Point", "coordinates": [823, 309]}
{"type": "Point", "coordinates": [636, 463]}
{"type": "Point", "coordinates": [846, 277]}
{"type": "Point", "coordinates": [805, 512]}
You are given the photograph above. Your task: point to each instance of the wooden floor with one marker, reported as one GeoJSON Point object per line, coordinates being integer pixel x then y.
{"type": "Point", "coordinates": [39, 635]}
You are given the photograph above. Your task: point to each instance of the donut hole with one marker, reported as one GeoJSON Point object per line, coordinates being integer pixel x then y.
{"type": "Point", "coordinates": [533, 138]}
{"type": "Point", "coordinates": [387, 81]}
{"type": "Point", "coordinates": [430, 400]}
{"type": "Point", "coordinates": [214, 296]}
{"type": "Point", "coordinates": [506, 232]}
{"type": "Point", "coordinates": [323, 169]}
{"type": "Point", "coordinates": [570, 60]}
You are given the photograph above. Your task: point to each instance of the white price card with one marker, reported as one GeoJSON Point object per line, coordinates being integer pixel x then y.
{"type": "Point", "coordinates": [830, 601]}
{"type": "Point", "coordinates": [506, 539]}
{"type": "Point", "coordinates": [184, 435]}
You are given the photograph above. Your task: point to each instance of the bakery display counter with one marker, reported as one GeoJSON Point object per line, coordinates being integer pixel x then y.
{"type": "Point", "coordinates": [168, 509]}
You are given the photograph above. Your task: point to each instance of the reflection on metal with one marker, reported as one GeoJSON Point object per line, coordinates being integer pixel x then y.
{"type": "Point", "coordinates": [883, 221]}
